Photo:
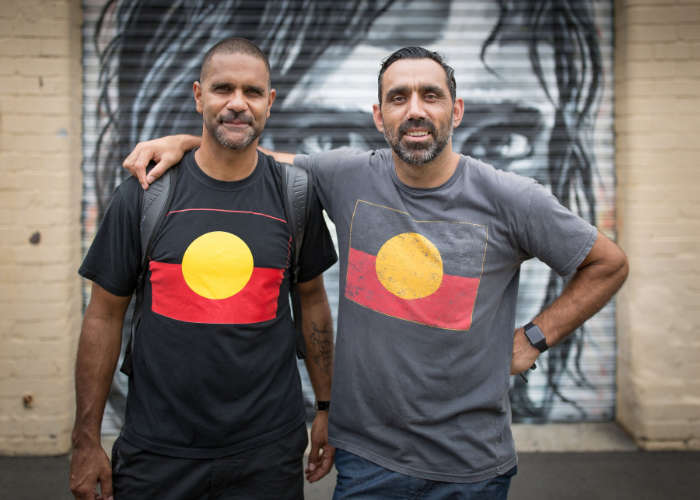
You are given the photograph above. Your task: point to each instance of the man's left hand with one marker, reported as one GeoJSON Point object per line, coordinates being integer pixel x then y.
{"type": "Point", "coordinates": [322, 453]}
{"type": "Point", "coordinates": [524, 353]}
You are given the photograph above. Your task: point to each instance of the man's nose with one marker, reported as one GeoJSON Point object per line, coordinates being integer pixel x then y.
{"type": "Point", "coordinates": [415, 106]}
{"type": "Point", "coordinates": [236, 102]}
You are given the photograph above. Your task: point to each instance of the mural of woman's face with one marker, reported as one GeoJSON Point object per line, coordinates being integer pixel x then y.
{"type": "Point", "coordinates": [326, 78]}
{"type": "Point", "coordinates": [507, 114]}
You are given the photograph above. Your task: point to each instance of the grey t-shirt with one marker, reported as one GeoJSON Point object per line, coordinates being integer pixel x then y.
{"type": "Point", "coordinates": [428, 286]}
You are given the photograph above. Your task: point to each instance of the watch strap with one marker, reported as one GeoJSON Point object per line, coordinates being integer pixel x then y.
{"type": "Point", "coordinates": [323, 405]}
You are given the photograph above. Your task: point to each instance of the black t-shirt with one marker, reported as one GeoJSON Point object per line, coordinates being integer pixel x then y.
{"type": "Point", "coordinates": [214, 368]}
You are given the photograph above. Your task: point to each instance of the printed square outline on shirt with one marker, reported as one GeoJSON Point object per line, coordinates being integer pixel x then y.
{"type": "Point", "coordinates": [422, 271]}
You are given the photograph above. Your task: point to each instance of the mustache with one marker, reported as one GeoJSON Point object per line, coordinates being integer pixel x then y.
{"type": "Point", "coordinates": [229, 116]}
{"type": "Point", "coordinates": [417, 123]}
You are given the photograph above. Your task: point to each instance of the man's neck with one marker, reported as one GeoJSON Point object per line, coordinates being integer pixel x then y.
{"type": "Point", "coordinates": [224, 164]}
{"type": "Point", "coordinates": [429, 175]}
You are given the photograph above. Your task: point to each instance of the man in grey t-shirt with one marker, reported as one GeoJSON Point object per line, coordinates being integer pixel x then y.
{"type": "Point", "coordinates": [430, 245]}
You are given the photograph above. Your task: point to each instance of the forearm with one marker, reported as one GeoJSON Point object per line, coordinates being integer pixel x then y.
{"type": "Point", "coordinates": [597, 279]}
{"type": "Point", "coordinates": [98, 352]}
{"type": "Point", "coordinates": [188, 142]}
{"type": "Point", "coordinates": [592, 286]}
{"type": "Point", "coordinates": [317, 327]}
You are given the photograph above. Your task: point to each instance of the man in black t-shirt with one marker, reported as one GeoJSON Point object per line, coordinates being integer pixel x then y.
{"type": "Point", "coordinates": [214, 406]}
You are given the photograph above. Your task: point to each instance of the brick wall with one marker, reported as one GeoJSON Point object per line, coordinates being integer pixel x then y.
{"type": "Point", "coordinates": [40, 109]}
{"type": "Point", "coordinates": [657, 119]}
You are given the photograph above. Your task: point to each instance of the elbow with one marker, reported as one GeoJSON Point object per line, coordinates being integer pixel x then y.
{"type": "Point", "coordinates": [620, 267]}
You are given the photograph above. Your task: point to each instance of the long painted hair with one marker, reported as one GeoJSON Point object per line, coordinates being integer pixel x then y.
{"type": "Point", "coordinates": [567, 27]}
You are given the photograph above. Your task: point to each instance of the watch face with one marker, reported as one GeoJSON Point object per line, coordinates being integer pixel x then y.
{"type": "Point", "coordinates": [536, 337]}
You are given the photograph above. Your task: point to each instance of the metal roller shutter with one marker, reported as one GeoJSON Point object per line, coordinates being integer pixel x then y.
{"type": "Point", "coordinates": [536, 77]}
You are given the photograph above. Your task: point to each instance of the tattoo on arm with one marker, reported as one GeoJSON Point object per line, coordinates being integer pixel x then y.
{"type": "Point", "coordinates": [322, 342]}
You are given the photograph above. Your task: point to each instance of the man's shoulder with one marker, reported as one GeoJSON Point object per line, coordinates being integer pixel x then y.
{"type": "Point", "coordinates": [486, 176]}
{"type": "Point", "coordinates": [128, 193]}
{"type": "Point", "coordinates": [346, 157]}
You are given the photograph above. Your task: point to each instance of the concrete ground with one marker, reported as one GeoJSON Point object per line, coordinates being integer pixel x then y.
{"type": "Point", "coordinates": [605, 466]}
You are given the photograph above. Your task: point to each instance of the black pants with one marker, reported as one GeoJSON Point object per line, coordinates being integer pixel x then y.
{"type": "Point", "coordinates": [273, 471]}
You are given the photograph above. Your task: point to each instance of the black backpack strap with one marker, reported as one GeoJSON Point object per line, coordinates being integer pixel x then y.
{"type": "Point", "coordinates": [296, 189]}
{"type": "Point", "coordinates": [154, 205]}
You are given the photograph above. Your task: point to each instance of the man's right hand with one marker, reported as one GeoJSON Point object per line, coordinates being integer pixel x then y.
{"type": "Point", "coordinates": [89, 466]}
{"type": "Point", "coordinates": [165, 152]}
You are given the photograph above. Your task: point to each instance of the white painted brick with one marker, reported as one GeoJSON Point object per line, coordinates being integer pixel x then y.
{"type": "Point", "coordinates": [9, 9]}
{"type": "Point", "coordinates": [32, 9]}
{"type": "Point", "coordinates": [20, 123]}
{"type": "Point", "coordinates": [676, 50]}
{"type": "Point", "coordinates": [662, 15]}
{"type": "Point", "coordinates": [33, 105]}
{"type": "Point", "coordinates": [689, 31]}
{"type": "Point", "coordinates": [639, 51]}
{"type": "Point", "coordinates": [651, 33]}
{"type": "Point", "coordinates": [55, 47]}
{"type": "Point", "coordinates": [41, 28]}
{"type": "Point", "coordinates": [43, 66]}
{"type": "Point", "coordinates": [20, 310]}
{"type": "Point", "coordinates": [20, 445]}
{"type": "Point", "coordinates": [6, 26]}
{"type": "Point", "coordinates": [649, 2]}
{"type": "Point", "coordinates": [25, 47]}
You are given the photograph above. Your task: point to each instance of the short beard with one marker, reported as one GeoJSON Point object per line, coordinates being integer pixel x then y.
{"type": "Point", "coordinates": [238, 145]}
{"type": "Point", "coordinates": [217, 131]}
{"type": "Point", "coordinates": [417, 154]}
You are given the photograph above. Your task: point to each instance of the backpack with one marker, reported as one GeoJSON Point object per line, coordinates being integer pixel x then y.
{"type": "Point", "coordinates": [294, 186]}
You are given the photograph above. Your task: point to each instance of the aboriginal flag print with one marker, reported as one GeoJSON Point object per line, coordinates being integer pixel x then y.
{"type": "Point", "coordinates": [425, 272]}
{"type": "Point", "coordinates": [217, 279]}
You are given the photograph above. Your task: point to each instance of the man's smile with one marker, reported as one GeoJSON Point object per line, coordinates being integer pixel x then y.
{"type": "Point", "coordinates": [417, 134]}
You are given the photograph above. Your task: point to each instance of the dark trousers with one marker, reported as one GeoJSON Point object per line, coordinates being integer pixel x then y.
{"type": "Point", "coordinates": [273, 471]}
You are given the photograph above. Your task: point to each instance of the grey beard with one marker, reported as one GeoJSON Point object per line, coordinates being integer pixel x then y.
{"type": "Point", "coordinates": [235, 145]}
{"type": "Point", "coordinates": [418, 156]}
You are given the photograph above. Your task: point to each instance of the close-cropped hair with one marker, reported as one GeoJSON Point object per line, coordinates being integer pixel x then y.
{"type": "Point", "coordinates": [418, 53]}
{"type": "Point", "coordinates": [234, 45]}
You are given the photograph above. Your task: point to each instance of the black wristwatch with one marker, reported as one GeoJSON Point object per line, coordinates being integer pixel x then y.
{"type": "Point", "coordinates": [323, 405]}
{"type": "Point", "coordinates": [536, 337]}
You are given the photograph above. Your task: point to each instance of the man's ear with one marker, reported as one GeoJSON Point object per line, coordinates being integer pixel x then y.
{"type": "Point", "coordinates": [197, 91]}
{"type": "Point", "coordinates": [273, 94]}
{"type": "Point", "coordinates": [378, 120]}
{"type": "Point", "coordinates": [457, 112]}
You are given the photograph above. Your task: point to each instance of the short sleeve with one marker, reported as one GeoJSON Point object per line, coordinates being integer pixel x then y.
{"type": "Point", "coordinates": [317, 250]}
{"type": "Point", "coordinates": [326, 168]}
{"type": "Point", "coordinates": [553, 234]}
{"type": "Point", "coordinates": [113, 260]}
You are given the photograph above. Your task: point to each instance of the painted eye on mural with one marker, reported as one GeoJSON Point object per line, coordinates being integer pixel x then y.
{"type": "Point", "coordinates": [326, 141]}
{"type": "Point", "coordinates": [498, 133]}
{"type": "Point", "coordinates": [311, 131]}
{"type": "Point", "coordinates": [497, 145]}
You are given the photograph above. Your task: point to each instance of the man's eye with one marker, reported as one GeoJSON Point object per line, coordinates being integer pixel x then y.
{"type": "Point", "coordinates": [398, 99]}
{"type": "Point", "coordinates": [315, 143]}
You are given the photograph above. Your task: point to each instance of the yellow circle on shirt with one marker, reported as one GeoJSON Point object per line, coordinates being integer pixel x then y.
{"type": "Point", "coordinates": [217, 265]}
{"type": "Point", "coordinates": [409, 266]}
